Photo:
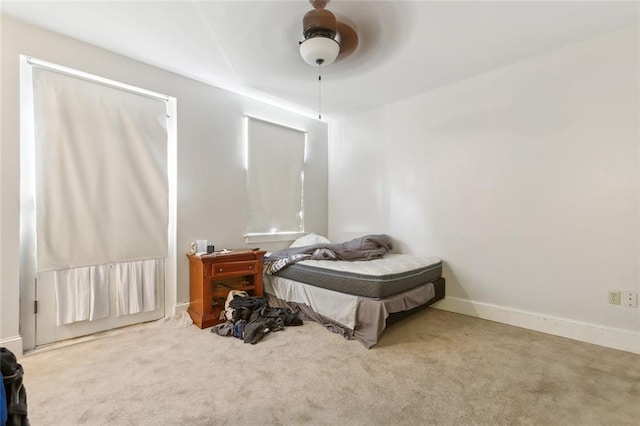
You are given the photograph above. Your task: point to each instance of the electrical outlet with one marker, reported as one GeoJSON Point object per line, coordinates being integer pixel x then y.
{"type": "Point", "coordinates": [630, 299]}
{"type": "Point", "coordinates": [614, 297]}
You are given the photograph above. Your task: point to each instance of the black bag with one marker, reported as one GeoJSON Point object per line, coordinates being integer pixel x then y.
{"type": "Point", "coordinates": [15, 392]}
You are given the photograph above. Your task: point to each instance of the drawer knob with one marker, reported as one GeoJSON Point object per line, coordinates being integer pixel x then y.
{"type": "Point", "coordinates": [251, 267]}
{"type": "Point", "coordinates": [219, 269]}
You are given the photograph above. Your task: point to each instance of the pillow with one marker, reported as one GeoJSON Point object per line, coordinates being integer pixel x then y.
{"type": "Point", "coordinates": [309, 239]}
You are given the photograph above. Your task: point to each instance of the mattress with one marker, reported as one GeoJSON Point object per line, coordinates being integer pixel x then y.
{"type": "Point", "coordinates": [379, 278]}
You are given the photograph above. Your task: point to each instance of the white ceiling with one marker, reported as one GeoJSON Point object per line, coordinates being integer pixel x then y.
{"type": "Point", "coordinates": [405, 47]}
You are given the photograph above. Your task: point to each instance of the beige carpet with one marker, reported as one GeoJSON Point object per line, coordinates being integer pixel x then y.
{"type": "Point", "coordinates": [432, 368]}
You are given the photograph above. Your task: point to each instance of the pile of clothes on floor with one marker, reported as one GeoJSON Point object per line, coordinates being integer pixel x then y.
{"type": "Point", "coordinates": [250, 318]}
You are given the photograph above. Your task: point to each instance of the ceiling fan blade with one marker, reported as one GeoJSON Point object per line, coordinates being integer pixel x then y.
{"type": "Point", "coordinates": [348, 40]}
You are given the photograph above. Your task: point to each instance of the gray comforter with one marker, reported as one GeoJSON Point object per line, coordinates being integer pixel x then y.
{"type": "Point", "coordinates": [368, 247]}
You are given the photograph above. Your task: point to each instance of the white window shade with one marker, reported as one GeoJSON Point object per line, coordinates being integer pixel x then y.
{"type": "Point", "coordinates": [101, 173]}
{"type": "Point", "coordinates": [275, 165]}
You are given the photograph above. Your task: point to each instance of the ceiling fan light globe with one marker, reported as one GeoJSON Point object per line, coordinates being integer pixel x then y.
{"type": "Point", "coordinates": [319, 50]}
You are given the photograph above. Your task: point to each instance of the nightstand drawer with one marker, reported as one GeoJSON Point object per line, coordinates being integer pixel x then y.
{"type": "Point", "coordinates": [231, 268]}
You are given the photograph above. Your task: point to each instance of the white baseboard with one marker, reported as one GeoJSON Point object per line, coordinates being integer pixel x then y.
{"type": "Point", "coordinates": [626, 340]}
{"type": "Point", "coordinates": [14, 344]}
{"type": "Point", "coordinates": [179, 308]}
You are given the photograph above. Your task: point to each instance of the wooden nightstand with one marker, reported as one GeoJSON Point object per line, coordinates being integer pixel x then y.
{"type": "Point", "coordinates": [212, 276]}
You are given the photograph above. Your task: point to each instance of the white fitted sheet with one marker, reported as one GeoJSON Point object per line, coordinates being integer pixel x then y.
{"type": "Point", "coordinates": [339, 307]}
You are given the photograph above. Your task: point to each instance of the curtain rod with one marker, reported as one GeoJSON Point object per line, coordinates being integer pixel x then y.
{"type": "Point", "coordinates": [94, 78]}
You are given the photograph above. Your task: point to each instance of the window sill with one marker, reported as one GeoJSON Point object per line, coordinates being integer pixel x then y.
{"type": "Point", "coordinates": [272, 238]}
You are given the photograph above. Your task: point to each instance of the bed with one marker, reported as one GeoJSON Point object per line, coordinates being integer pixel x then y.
{"type": "Point", "coordinates": [357, 299]}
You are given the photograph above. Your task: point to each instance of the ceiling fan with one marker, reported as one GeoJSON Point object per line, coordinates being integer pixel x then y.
{"type": "Point", "coordinates": [325, 38]}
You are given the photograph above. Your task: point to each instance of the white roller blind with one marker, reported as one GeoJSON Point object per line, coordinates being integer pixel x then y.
{"type": "Point", "coordinates": [274, 177]}
{"type": "Point", "coordinates": [101, 173]}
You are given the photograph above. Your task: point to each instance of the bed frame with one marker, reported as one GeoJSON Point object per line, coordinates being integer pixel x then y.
{"type": "Point", "coordinates": [439, 286]}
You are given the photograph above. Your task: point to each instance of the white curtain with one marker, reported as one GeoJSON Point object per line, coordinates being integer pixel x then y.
{"type": "Point", "coordinates": [274, 177]}
{"type": "Point", "coordinates": [101, 173]}
{"type": "Point", "coordinates": [137, 285]}
{"type": "Point", "coordinates": [81, 293]}
{"type": "Point", "coordinates": [101, 190]}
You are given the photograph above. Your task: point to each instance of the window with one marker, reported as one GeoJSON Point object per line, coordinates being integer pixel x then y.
{"type": "Point", "coordinates": [101, 172]}
{"type": "Point", "coordinates": [275, 176]}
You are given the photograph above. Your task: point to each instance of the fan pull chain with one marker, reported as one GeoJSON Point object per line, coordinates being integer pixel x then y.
{"type": "Point", "coordinates": [319, 90]}
{"type": "Point", "coordinates": [320, 62]}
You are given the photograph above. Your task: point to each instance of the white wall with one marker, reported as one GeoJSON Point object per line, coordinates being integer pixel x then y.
{"type": "Point", "coordinates": [525, 181]}
{"type": "Point", "coordinates": [211, 177]}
